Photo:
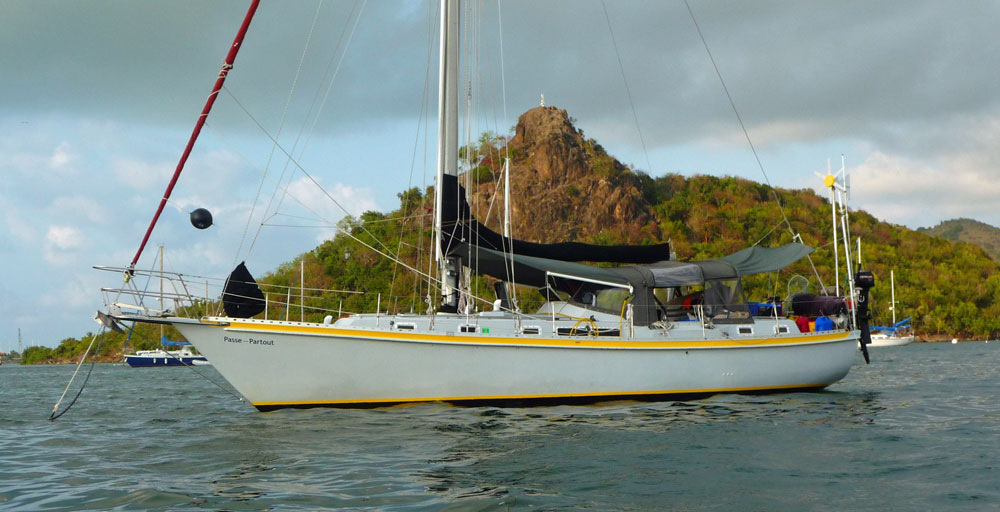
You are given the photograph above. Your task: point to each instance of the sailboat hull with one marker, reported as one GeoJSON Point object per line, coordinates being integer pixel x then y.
{"type": "Point", "coordinates": [164, 360]}
{"type": "Point", "coordinates": [880, 340]}
{"type": "Point", "coordinates": [280, 364]}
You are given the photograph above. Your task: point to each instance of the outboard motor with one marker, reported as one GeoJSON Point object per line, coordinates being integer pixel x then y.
{"type": "Point", "coordinates": [864, 281]}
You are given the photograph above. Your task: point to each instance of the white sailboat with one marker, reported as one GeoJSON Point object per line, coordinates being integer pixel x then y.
{"type": "Point", "coordinates": [183, 356]}
{"type": "Point", "coordinates": [899, 333]}
{"type": "Point", "coordinates": [890, 339]}
{"type": "Point", "coordinates": [602, 333]}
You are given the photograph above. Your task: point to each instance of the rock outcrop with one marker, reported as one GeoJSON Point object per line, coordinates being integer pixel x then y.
{"type": "Point", "coordinates": [564, 187]}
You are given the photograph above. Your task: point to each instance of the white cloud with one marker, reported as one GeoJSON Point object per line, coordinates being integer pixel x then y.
{"type": "Point", "coordinates": [26, 156]}
{"type": "Point", "coordinates": [64, 237]}
{"type": "Point", "coordinates": [323, 205]}
{"type": "Point", "coordinates": [139, 174]}
{"type": "Point", "coordinates": [922, 193]}
{"type": "Point", "coordinates": [331, 203]}
{"type": "Point", "coordinates": [61, 156]}
{"type": "Point", "coordinates": [78, 207]}
{"type": "Point", "coordinates": [62, 243]}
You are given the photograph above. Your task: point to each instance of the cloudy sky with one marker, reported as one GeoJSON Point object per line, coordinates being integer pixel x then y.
{"type": "Point", "coordinates": [97, 100]}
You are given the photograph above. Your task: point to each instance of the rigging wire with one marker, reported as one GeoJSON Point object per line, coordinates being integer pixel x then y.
{"type": "Point", "coordinates": [471, 63]}
{"type": "Point", "coordinates": [476, 154]}
{"type": "Point", "coordinates": [746, 133]}
{"type": "Point", "coordinates": [508, 220]}
{"type": "Point", "coordinates": [424, 102]}
{"type": "Point", "coordinates": [232, 147]}
{"type": "Point", "coordinates": [313, 108]}
{"type": "Point", "coordinates": [628, 91]}
{"type": "Point", "coordinates": [503, 78]}
{"type": "Point", "coordinates": [141, 295]}
{"type": "Point", "coordinates": [326, 95]}
{"type": "Point", "coordinates": [191, 366]}
{"type": "Point", "coordinates": [281, 125]}
{"type": "Point", "coordinates": [276, 146]}
{"type": "Point", "coordinates": [55, 409]}
{"type": "Point", "coordinates": [299, 167]}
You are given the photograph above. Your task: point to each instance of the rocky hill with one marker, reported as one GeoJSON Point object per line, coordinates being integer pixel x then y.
{"type": "Point", "coordinates": [970, 231]}
{"type": "Point", "coordinates": [564, 187]}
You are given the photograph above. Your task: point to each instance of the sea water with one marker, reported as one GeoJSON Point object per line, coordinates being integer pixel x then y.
{"type": "Point", "coordinates": [918, 429]}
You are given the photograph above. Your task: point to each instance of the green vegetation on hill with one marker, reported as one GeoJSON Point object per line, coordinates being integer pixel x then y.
{"type": "Point", "coordinates": [971, 231]}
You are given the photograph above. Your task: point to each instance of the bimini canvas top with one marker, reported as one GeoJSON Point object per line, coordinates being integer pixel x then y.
{"type": "Point", "coordinates": [668, 274]}
{"type": "Point", "coordinates": [757, 260]}
{"type": "Point", "coordinates": [532, 271]}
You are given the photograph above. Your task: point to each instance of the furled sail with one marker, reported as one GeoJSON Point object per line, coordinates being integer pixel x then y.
{"type": "Point", "coordinates": [458, 227]}
{"type": "Point", "coordinates": [242, 298]}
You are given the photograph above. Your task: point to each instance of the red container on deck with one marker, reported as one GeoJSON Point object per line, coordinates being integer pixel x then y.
{"type": "Point", "coordinates": [803, 323]}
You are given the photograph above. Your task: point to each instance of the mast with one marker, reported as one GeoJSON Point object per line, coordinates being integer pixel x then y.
{"type": "Point", "coordinates": [162, 308]}
{"type": "Point", "coordinates": [892, 286]}
{"type": "Point", "coordinates": [447, 161]}
{"type": "Point", "coordinates": [226, 66]}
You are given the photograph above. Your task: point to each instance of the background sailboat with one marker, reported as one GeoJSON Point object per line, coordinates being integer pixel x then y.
{"type": "Point", "coordinates": [896, 334]}
{"type": "Point", "coordinates": [183, 356]}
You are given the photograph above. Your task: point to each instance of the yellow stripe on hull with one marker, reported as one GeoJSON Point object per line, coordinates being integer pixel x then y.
{"type": "Point", "coordinates": [535, 342]}
{"type": "Point", "coordinates": [593, 397]}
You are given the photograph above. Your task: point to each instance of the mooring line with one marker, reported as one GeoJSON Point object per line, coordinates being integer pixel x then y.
{"type": "Point", "coordinates": [192, 367]}
{"type": "Point", "coordinates": [55, 408]}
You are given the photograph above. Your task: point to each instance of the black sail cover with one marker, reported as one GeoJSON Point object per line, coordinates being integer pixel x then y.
{"type": "Point", "coordinates": [242, 298]}
{"type": "Point", "coordinates": [458, 227]}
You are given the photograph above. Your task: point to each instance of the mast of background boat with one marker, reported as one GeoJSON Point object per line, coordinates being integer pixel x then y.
{"type": "Point", "coordinates": [892, 288]}
{"type": "Point", "coordinates": [447, 161]}
{"type": "Point", "coordinates": [162, 309]}
{"type": "Point", "coordinates": [226, 66]}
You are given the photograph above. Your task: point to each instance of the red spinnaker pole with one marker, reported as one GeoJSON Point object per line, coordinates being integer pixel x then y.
{"type": "Point", "coordinates": [226, 66]}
